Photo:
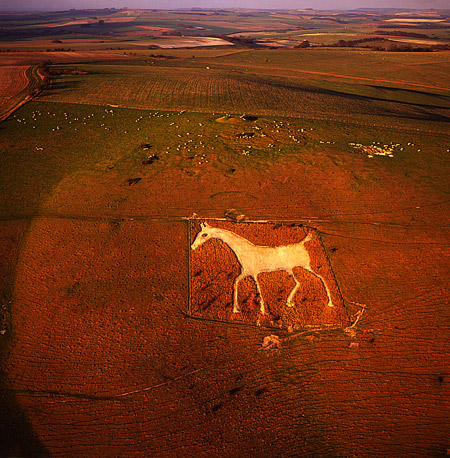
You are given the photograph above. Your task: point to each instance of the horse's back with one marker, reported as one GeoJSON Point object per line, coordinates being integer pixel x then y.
{"type": "Point", "coordinates": [294, 255]}
{"type": "Point", "coordinates": [266, 259]}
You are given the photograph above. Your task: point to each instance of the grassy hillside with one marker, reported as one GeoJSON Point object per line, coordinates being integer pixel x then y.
{"type": "Point", "coordinates": [338, 84]}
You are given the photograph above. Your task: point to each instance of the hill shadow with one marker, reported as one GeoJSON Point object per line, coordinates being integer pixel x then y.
{"type": "Point", "coordinates": [17, 438]}
{"type": "Point", "coordinates": [397, 90]}
{"type": "Point", "coordinates": [57, 87]}
{"type": "Point", "coordinates": [311, 89]}
{"type": "Point", "coordinates": [382, 107]}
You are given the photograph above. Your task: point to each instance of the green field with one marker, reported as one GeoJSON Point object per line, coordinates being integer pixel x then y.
{"type": "Point", "coordinates": [41, 146]}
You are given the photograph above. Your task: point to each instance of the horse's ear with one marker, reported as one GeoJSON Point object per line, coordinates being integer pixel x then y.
{"type": "Point", "coordinates": [204, 225]}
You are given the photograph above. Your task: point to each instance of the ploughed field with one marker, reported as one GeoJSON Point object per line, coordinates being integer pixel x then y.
{"type": "Point", "coordinates": [318, 84]}
{"type": "Point", "coordinates": [17, 83]}
{"type": "Point", "coordinates": [101, 355]}
{"type": "Point", "coordinates": [13, 81]}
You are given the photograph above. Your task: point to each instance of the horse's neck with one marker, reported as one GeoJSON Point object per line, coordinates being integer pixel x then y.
{"type": "Point", "coordinates": [237, 243]}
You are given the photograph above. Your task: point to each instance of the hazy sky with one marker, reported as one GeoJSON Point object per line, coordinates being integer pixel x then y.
{"type": "Point", "coordinates": [58, 5]}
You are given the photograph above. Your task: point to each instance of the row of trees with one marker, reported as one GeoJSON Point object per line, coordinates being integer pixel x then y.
{"type": "Point", "coordinates": [388, 45]}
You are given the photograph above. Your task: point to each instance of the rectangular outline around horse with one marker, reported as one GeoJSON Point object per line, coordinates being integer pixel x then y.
{"type": "Point", "coordinates": [223, 256]}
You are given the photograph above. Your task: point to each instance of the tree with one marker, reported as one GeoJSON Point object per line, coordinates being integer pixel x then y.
{"type": "Point", "coordinates": [304, 44]}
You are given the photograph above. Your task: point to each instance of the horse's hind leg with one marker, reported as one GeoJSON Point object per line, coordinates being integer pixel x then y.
{"type": "Point", "coordinates": [330, 302]}
{"type": "Point", "coordinates": [262, 303]}
{"type": "Point", "coordinates": [290, 299]}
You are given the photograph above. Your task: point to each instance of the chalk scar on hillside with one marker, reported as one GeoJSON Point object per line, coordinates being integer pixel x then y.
{"type": "Point", "coordinates": [269, 275]}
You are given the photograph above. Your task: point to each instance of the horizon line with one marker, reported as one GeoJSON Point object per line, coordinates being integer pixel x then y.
{"type": "Point", "coordinates": [125, 8]}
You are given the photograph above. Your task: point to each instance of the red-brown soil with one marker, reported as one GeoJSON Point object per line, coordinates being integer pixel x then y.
{"type": "Point", "coordinates": [15, 88]}
{"type": "Point", "coordinates": [13, 79]}
{"type": "Point", "coordinates": [150, 31]}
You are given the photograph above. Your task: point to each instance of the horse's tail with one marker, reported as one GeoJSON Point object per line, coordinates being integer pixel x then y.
{"type": "Point", "coordinates": [309, 237]}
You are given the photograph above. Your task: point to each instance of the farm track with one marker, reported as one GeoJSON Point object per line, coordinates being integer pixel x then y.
{"type": "Point", "coordinates": [291, 72]}
{"type": "Point", "coordinates": [324, 220]}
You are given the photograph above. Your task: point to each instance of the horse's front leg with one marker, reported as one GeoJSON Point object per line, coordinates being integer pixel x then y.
{"type": "Point", "coordinates": [236, 308]}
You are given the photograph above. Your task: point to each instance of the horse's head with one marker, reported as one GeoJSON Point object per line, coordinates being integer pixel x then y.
{"type": "Point", "coordinates": [204, 235]}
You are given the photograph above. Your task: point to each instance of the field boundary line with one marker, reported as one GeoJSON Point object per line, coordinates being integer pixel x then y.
{"type": "Point", "coordinates": [307, 221]}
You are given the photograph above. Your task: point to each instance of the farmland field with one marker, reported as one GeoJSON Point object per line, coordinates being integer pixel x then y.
{"type": "Point", "coordinates": [16, 84]}
{"type": "Point", "coordinates": [109, 172]}
{"type": "Point", "coordinates": [268, 83]}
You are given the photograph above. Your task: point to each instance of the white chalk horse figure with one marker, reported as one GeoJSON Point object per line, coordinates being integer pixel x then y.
{"type": "Point", "coordinates": [255, 259]}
